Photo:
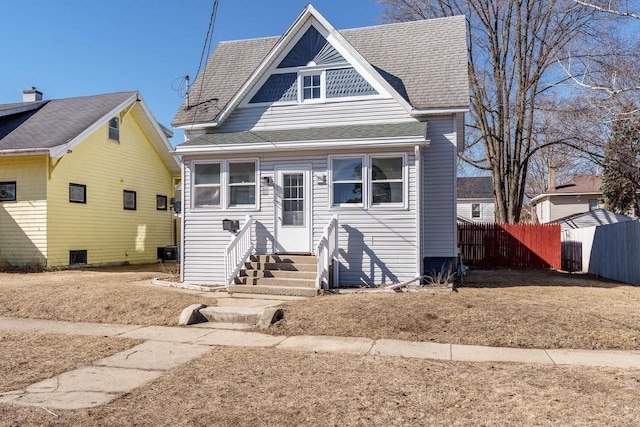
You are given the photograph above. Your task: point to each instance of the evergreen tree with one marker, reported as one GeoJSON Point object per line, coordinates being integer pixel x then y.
{"type": "Point", "coordinates": [621, 168]}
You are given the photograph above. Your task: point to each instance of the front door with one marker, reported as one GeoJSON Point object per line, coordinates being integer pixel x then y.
{"type": "Point", "coordinates": [293, 210]}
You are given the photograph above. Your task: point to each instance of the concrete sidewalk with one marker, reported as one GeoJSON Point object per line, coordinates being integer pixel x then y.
{"type": "Point", "coordinates": [168, 347]}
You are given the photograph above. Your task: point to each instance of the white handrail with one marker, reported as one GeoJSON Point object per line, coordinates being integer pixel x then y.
{"type": "Point", "coordinates": [238, 251]}
{"type": "Point", "coordinates": [327, 254]}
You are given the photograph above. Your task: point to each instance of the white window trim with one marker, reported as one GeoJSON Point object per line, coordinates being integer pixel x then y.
{"type": "Point", "coordinates": [323, 85]}
{"type": "Point", "coordinates": [367, 197]}
{"type": "Point", "coordinates": [228, 185]}
{"type": "Point", "coordinates": [363, 181]}
{"type": "Point", "coordinates": [405, 183]}
{"type": "Point", "coordinates": [225, 186]}
{"type": "Point", "coordinates": [479, 211]}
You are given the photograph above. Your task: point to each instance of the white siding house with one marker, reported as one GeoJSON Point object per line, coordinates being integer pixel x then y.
{"type": "Point", "coordinates": [289, 133]}
{"type": "Point", "coordinates": [476, 202]}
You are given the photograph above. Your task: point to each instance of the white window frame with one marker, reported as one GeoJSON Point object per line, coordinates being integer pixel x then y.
{"type": "Point", "coordinates": [228, 185]}
{"type": "Point", "coordinates": [405, 187]}
{"type": "Point", "coordinates": [367, 183]}
{"type": "Point", "coordinates": [115, 129]}
{"type": "Point", "coordinates": [363, 175]}
{"type": "Point", "coordinates": [323, 85]}
{"type": "Point", "coordinates": [225, 186]}
{"type": "Point", "coordinates": [194, 185]}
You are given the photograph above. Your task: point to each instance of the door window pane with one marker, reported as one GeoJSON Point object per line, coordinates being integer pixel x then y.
{"type": "Point", "coordinates": [293, 200]}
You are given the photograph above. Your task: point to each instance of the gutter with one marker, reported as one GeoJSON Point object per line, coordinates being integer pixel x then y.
{"type": "Point", "coordinates": [25, 152]}
{"type": "Point", "coordinates": [302, 145]}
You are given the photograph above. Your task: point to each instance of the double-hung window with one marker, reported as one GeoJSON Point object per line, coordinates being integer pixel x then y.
{"type": "Point", "coordinates": [387, 184]}
{"type": "Point", "coordinates": [347, 181]}
{"type": "Point", "coordinates": [114, 129]}
{"type": "Point", "coordinates": [369, 181]}
{"type": "Point", "coordinates": [475, 210]}
{"type": "Point", "coordinates": [207, 185]}
{"type": "Point", "coordinates": [242, 183]}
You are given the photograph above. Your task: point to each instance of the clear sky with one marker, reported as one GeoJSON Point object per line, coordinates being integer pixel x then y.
{"type": "Point", "coordinates": [69, 48]}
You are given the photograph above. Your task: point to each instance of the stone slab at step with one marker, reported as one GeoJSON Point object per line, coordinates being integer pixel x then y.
{"type": "Point", "coordinates": [274, 290]}
{"type": "Point", "coordinates": [232, 314]}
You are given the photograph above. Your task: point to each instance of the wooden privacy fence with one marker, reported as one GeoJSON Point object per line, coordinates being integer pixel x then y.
{"type": "Point", "coordinates": [510, 245]}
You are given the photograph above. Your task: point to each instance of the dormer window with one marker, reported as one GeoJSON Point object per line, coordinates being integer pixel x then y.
{"type": "Point", "coordinates": [114, 129]}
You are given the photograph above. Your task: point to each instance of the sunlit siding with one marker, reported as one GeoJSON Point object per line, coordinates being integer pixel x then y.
{"type": "Point", "coordinates": [321, 114]}
{"type": "Point", "coordinates": [439, 229]}
{"type": "Point", "coordinates": [109, 233]}
{"type": "Point", "coordinates": [23, 223]}
{"type": "Point", "coordinates": [376, 246]}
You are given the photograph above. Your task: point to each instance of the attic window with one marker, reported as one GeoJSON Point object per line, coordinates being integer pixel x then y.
{"type": "Point", "coordinates": [114, 129]}
{"type": "Point", "coordinates": [312, 87]}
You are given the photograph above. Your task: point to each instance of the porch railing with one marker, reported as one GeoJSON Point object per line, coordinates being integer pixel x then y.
{"type": "Point", "coordinates": [327, 254]}
{"type": "Point", "coordinates": [238, 251]}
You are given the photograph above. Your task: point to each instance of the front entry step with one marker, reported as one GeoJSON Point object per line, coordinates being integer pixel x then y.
{"type": "Point", "coordinates": [291, 275]}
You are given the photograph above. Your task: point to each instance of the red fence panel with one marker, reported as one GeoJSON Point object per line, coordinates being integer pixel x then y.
{"type": "Point", "coordinates": [510, 245]}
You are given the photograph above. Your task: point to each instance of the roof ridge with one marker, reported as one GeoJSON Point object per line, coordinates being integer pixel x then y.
{"type": "Point", "coordinates": [93, 96]}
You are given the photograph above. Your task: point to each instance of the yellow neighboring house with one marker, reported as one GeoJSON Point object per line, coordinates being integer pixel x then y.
{"type": "Point", "coordinates": [86, 180]}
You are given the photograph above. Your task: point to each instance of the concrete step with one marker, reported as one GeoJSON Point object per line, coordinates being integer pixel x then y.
{"type": "Point", "coordinates": [284, 266]}
{"type": "Point", "coordinates": [271, 281]}
{"type": "Point", "coordinates": [232, 314]}
{"type": "Point", "coordinates": [279, 274]}
{"type": "Point", "coordinates": [274, 290]}
{"type": "Point", "coordinates": [285, 259]}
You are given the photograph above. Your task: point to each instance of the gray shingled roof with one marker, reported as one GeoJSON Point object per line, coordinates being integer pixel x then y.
{"type": "Point", "coordinates": [56, 122]}
{"type": "Point", "coordinates": [591, 219]}
{"type": "Point", "coordinates": [409, 129]}
{"type": "Point", "coordinates": [477, 187]}
{"type": "Point", "coordinates": [425, 61]}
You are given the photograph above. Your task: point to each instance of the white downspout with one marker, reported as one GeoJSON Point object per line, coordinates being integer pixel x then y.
{"type": "Point", "coordinates": [418, 160]}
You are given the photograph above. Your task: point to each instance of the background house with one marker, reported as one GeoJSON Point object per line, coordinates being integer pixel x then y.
{"type": "Point", "coordinates": [476, 201]}
{"type": "Point", "coordinates": [581, 194]}
{"type": "Point", "coordinates": [84, 180]}
{"type": "Point", "coordinates": [361, 125]}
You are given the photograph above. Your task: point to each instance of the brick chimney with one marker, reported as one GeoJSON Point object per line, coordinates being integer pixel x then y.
{"type": "Point", "coordinates": [551, 185]}
{"type": "Point", "coordinates": [31, 95]}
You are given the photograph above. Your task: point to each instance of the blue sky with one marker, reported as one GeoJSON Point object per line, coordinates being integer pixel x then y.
{"type": "Point", "coordinates": [69, 48]}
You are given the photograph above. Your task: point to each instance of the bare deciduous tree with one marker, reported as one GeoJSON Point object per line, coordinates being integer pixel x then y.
{"type": "Point", "coordinates": [513, 48]}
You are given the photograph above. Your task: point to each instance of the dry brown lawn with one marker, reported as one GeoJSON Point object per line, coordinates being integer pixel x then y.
{"type": "Point", "coordinates": [266, 387]}
{"type": "Point", "coordinates": [110, 295]}
{"type": "Point", "coordinates": [253, 387]}
{"type": "Point", "coordinates": [530, 309]}
{"type": "Point", "coordinates": [29, 357]}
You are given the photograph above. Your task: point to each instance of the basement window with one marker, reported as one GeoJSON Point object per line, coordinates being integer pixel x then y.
{"type": "Point", "coordinates": [78, 257]}
{"type": "Point", "coordinates": [114, 129]}
{"type": "Point", "coordinates": [8, 191]}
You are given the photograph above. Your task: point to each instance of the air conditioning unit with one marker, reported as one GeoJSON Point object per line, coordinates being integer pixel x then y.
{"type": "Point", "coordinates": [171, 253]}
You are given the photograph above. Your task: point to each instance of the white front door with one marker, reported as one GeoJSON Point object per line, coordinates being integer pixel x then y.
{"type": "Point", "coordinates": [293, 210]}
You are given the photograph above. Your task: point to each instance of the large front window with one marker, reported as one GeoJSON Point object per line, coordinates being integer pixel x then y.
{"type": "Point", "coordinates": [368, 181]}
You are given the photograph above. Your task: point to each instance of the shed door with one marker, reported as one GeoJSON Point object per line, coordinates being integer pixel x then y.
{"type": "Point", "coordinates": [293, 210]}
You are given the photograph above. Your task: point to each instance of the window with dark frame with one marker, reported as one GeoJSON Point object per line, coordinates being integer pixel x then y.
{"type": "Point", "coordinates": [78, 257]}
{"type": "Point", "coordinates": [77, 193]}
{"type": "Point", "coordinates": [161, 203]}
{"type": "Point", "coordinates": [8, 191]}
{"type": "Point", "coordinates": [593, 204]}
{"type": "Point", "coordinates": [129, 200]}
{"type": "Point", "coordinates": [114, 129]}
